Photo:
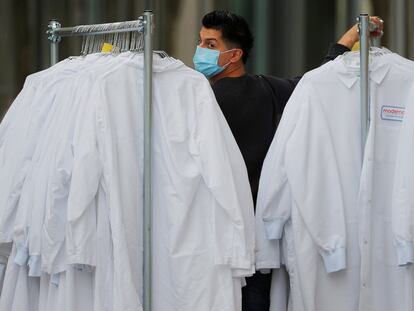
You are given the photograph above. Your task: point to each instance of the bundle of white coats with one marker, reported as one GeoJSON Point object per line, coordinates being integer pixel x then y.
{"type": "Point", "coordinates": [325, 207]}
{"type": "Point", "coordinates": [71, 191]}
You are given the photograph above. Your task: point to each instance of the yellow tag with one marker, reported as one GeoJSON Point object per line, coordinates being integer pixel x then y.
{"type": "Point", "coordinates": [355, 47]}
{"type": "Point", "coordinates": [106, 48]}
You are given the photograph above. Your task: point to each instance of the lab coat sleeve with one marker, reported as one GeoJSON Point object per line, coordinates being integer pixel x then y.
{"type": "Point", "coordinates": [86, 175]}
{"type": "Point", "coordinates": [231, 244]}
{"type": "Point", "coordinates": [274, 200]}
{"type": "Point", "coordinates": [16, 146]}
{"type": "Point", "coordinates": [244, 194]}
{"type": "Point", "coordinates": [313, 176]}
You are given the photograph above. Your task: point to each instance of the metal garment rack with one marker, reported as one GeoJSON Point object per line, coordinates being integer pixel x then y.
{"type": "Point", "coordinates": [365, 27]}
{"type": "Point", "coordinates": [146, 27]}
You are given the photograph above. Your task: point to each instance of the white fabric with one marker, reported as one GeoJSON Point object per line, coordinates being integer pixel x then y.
{"type": "Point", "coordinates": [402, 199]}
{"type": "Point", "coordinates": [5, 250]}
{"type": "Point", "coordinates": [279, 290]}
{"type": "Point", "coordinates": [73, 203]}
{"type": "Point", "coordinates": [20, 135]}
{"type": "Point", "coordinates": [21, 292]}
{"type": "Point", "coordinates": [196, 191]}
{"type": "Point", "coordinates": [359, 213]}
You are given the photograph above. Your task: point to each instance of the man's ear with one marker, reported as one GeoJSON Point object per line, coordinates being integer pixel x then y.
{"type": "Point", "coordinates": [237, 54]}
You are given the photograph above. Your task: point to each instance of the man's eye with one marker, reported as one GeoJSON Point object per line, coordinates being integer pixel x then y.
{"type": "Point", "coordinates": [211, 45]}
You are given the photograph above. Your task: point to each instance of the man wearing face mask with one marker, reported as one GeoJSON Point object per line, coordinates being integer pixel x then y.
{"type": "Point", "coordinates": [252, 105]}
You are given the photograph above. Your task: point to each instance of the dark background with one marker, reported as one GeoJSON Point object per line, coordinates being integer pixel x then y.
{"type": "Point", "coordinates": [291, 36]}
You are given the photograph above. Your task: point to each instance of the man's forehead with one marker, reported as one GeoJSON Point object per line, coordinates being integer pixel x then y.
{"type": "Point", "coordinates": [210, 33]}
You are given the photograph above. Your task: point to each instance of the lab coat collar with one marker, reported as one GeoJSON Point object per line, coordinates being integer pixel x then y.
{"type": "Point", "coordinates": [348, 69]}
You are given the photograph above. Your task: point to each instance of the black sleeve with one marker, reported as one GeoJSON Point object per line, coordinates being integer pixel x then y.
{"type": "Point", "coordinates": [283, 88]}
{"type": "Point", "coordinates": [335, 50]}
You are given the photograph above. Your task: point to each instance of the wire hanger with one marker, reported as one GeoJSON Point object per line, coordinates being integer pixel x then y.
{"type": "Point", "coordinates": [122, 39]}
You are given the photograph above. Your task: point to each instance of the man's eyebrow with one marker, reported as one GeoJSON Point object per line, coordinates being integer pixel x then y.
{"type": "Point", "coordinates": [210, 39]}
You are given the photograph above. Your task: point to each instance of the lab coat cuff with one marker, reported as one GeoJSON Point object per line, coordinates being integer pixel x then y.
{"type": "Point", "coordinates": [235, 262]}
{"type": "Point", "coordinates": [273, 228]}
{"type": "Point", "coordinates": [80, 259]}
{"type": "Point", "coordinates": [405, 252]}
{"type": "Point", "coordinates": [55, 278]}
{"type": "Point", "coordinates": [243, 272]}
{"type": "Point", "coordinates": [334, 260]}
{"type": "Point", "coordinates": [242, 262]}
{"type": "Point", "coordinates": [266, 265]}
{"type": "Point", "coordinates": [22, 255]}
{"type": "Point", "coordinates": [35, 267]}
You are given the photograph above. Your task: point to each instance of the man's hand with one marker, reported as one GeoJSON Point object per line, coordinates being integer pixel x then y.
{"type": "Point", "coordinates": [352, 36]}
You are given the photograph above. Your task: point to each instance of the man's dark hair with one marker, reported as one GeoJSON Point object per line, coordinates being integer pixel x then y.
{"type": "Point", "coordinates": [233, 27]}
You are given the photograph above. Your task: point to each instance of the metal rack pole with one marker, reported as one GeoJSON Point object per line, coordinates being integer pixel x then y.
{"type": "Point", "coordinates": [70, 31]}
{"type": "Point", "coordinates": [364, 59]}
{"type": "Point", "coordinates": [54, 41]}
{"type": "Point", "coordinates": [148, 20]}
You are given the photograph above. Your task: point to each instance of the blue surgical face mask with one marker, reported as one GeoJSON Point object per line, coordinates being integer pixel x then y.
{"type": "Point", "coordinates": [206, 61]}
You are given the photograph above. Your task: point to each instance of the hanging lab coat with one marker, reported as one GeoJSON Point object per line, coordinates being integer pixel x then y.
{"type": "Point", "coordinates": [316, 190]}
{"type": "Point", "coordinates": [86, 234]}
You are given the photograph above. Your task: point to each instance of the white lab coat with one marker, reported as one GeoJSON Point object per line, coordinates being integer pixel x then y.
{"type": "Point", "coordinates": [85, 237]}
{"type": "Point", "coordinates": [316, 190]}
